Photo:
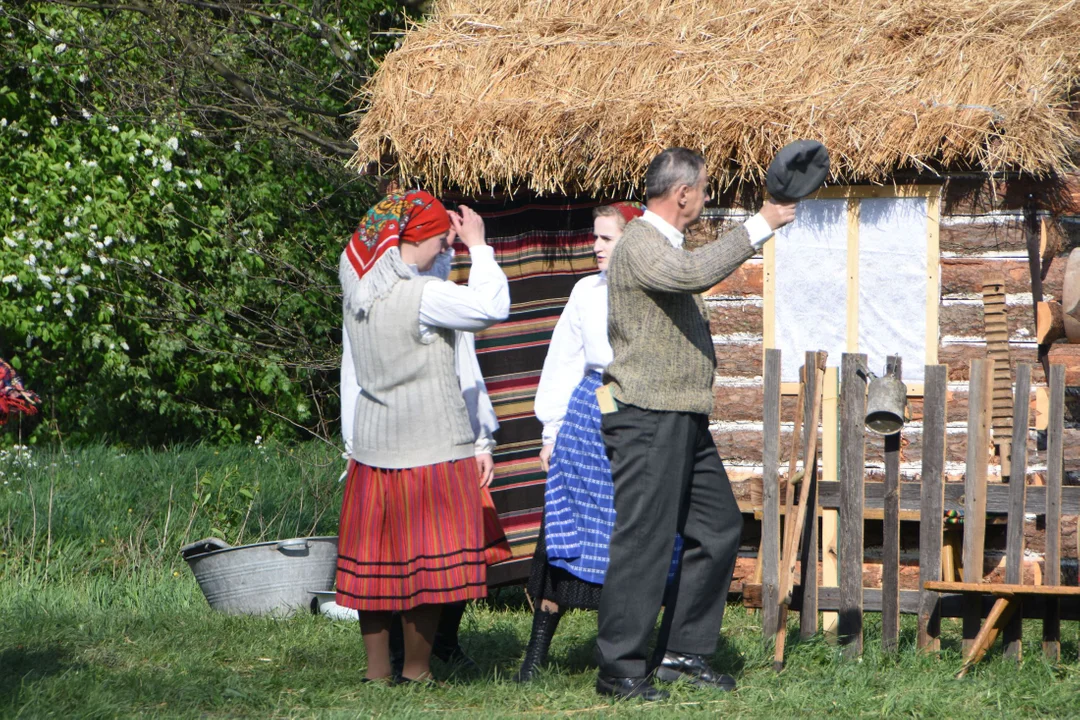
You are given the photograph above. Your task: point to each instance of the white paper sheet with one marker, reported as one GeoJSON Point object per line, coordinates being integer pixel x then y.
{"type": "Point", "coordinates": [892, 283]}
{"type": "Point", "coordinates": [811, 285]}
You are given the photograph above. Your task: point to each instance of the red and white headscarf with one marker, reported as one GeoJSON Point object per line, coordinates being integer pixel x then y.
{"type": "Point", "coordinates": [629, 209]}
{"type": "Point", "coordinates": [371, 263]}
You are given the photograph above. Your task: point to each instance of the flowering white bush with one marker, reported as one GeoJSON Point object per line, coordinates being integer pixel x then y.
{"type": "Point", "coordinates": [163, 277]}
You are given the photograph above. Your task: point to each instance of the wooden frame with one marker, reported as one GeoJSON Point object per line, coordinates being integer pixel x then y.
{"type": "Point", "coordinates": [854, 194]}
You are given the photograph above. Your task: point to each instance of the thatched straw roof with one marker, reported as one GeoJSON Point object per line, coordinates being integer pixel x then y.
{"type": "Point", "coordinates": [578, 95]}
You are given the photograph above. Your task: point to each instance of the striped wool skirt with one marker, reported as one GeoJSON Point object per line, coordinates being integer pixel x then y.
{"type": "Point", "coordinates": [415, 536]}
{"type": "Point", "coordinates": [579, 498]}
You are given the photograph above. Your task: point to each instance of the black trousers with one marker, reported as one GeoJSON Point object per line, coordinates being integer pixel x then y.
{"type": "Point", "coordinates": [668, 477]}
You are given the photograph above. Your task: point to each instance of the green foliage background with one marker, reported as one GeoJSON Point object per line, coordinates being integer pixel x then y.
{"type": "Point", "coordinates": [167, 276]}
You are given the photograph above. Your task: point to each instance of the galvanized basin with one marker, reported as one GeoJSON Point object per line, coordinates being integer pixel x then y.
{"type": "Point", "coordinates": [268, 578]}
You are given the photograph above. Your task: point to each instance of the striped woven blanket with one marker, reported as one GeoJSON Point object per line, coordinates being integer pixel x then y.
{"type": "Point", "coordinates": [544, 247]}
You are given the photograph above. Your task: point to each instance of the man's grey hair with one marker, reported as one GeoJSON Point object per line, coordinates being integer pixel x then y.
{"type": "Point", "coordinates": [673, 167]}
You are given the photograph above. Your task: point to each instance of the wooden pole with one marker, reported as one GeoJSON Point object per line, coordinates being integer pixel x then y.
{"type": "Point", "coordinates": [815, 381]}
{"type": "Point", "coordinates": [935, 393]}
{"type": "Point", "coordinates": [1052, 557]}
{"type": "Point", "coordinates": [1002, 611]}
{"type": "Point", "coordinates": [789, 493]}
{"type": "Point", "coordinates": [1014, 546]}
{"type": "Point", "coordinates": [851, 470]}
{"type": "Point", "coordinates": [890, 559]}
{"type": "Point", "coordinates": [780, 639]}
{"type": "Point", "coordinates": [808, 514]}
{"type": "Point", "coordinates": [980, 390]}
{"type": "Point", "coordinates": [830, 518]}
{"type": "Point", "coordinates": [769, 561]}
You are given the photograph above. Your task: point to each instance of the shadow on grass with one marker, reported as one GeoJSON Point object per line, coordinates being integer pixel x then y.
{"type": "Point", "coordinates": [19, 667]}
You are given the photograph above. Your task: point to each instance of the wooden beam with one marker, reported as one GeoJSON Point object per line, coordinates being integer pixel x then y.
{"type": "Point", "coordinates": [830, 519]}
{"type": "Point", "coordinates": [951, 603]}
{"type": "Point", "coordinates": [1014, 551]}
{"type": "Point", "coordinates": [890, 546]}
{"type": "Point", "coordinates": [997, 499]}
{"type": "Point", "coordinates": [780, 637]}
{"type": "Point", "coordinates": [852, 329]}
{"type": "Point", "coordinates": [808, 516]}
{"type": "Point", "coordinates": [999, 589]}
{"type": "Point", "coordinates": [875, 191]}
{"type": "Point", "coordinates": [851, 469]}
{"type": "Point", "coordinates": [768, 296]}
{"type": "Point", "coordinates": [1000, 614]}
{"type": "Point", "coordinates": [932, 504]}
{"type": "Point", "coordinates": [770, 493]}
{"type": "Point", "coordinates": [1052, 556]}
{"type": "Point", "coordinates": [933, 274]}
{"type": "Point", "coordinates": [979, 394]}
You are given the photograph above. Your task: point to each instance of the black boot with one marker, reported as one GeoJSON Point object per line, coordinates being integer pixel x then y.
{"type": "Point", "coordinates": [446, 646]}
{"type": "Point", "coordinates": [543, 629]}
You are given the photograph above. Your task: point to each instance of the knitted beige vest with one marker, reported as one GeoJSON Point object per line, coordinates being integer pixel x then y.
{"type": "Point", "coordinates": [410, 412]}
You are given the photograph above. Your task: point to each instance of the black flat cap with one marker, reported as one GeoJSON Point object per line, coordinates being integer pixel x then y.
{"type": "Point", "coordinates": [797, 170]}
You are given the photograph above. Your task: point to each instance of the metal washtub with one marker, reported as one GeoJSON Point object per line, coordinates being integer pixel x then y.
{"type": "Point", "coordinates": [267, 578]}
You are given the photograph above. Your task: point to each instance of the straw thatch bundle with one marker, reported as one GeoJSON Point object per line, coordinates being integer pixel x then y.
{"type": "Point", "coordinates": [577, 95]}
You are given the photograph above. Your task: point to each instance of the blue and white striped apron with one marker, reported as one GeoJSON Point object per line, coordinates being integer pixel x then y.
{"type": "Point", "coordinates": [579, 499]}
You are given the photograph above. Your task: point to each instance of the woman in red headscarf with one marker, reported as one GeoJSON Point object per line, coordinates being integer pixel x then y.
{"type": "Point", "coordinates": [572, 552]}
{"type": "Point", "coordinates": [411, 536]}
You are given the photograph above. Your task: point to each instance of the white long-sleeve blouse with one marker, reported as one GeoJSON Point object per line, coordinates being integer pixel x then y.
{"type": "Point", "coordinates": [579, 345]}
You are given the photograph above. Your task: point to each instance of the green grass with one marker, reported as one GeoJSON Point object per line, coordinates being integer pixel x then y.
{"type": "Point", "coordinates": [100, 618]}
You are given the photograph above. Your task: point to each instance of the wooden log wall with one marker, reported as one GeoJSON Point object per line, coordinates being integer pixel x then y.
{"type": "Point", "coordinates": [982, 234]}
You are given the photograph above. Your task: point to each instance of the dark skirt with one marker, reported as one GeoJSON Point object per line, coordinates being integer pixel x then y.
{"type": "Point", "coordinates": [547, 582]}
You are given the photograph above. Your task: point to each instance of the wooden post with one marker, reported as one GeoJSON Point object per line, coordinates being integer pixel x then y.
{"type": "Point", "coordinates": [808, 616]}
{"type": "Point", "coordinates": [935, 393]}
{"type": "Point", "coordinates": [1014, 546]}
{"type": "Point", "coordinates": [890, 558]}
{"type": "Point", "coordinates": [851, 469]}
{"type": "Point", "coordinates": [830, 518]}
{"type": "Point", "coordinates": [1052, 557]}
{"type": "Point", "coordinates": [789, 492]}
{"type": "Point", "coordinates": [770, 496]}
{"type": "Point", "coordinates": [789, 504]}
{"type": "Point", "coordinates": [980, 390]}
{"type": "Point", "coordinates": [1000, 614]}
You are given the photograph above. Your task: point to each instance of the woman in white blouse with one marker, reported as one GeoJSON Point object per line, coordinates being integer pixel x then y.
{"type": "Point", "coordinates": [572, 552]}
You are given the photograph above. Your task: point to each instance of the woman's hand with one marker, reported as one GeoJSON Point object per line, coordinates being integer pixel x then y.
{"type": "Point", "coordinates": [545, 456]}
{"type": "Point", "coordinates": [467, 226]}
{"type": "Point", "coordinates": [486, 465]}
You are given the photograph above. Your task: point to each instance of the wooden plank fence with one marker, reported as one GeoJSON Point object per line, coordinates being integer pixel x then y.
{"type": "Point", "coordinates": [985, 609]}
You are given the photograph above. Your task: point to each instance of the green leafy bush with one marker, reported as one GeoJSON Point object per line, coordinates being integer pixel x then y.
{"type": "Point", "coordinates": [166, 275]}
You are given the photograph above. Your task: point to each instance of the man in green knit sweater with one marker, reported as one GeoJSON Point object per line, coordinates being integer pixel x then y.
{"type": "Point", "coordinates": [667, 473]}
